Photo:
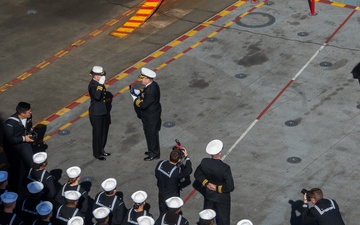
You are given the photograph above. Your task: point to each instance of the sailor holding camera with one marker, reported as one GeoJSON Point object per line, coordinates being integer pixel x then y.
{"type": "Point", "coordinates": [169, 175]}
{"type": "Point", "coordinates": [324, 212]}
{"type": "Point", "coordinates": [19, 132]}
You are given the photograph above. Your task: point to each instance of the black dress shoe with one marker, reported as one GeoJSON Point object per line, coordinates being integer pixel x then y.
{"type": "Point", "coordinates": [106, 154]}
{"type": "Point", "coordinates": [146, 153]}
{"type": "Point", "coordinates": [101, 158]}
{"type": "Point", "coordinates": [150, 158]}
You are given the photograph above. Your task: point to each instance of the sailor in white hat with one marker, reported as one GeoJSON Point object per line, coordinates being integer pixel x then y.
{"type": "Point", "coordinates": [145, 220]}
{"type": "Point", "coordinates": [138, 209]}
{"type": "Point", "coordinates": [215, 175]}
{"type": "Point", "coordinates": [101, 215]}
{"type": "Point", "coordinates": [148, 109]}
{"type": "Point", "coordinates": [69, 210]}
{"type": "Point", "coordinates": [76, 220]}
{"type": "Point", "coordinates": [73, 184]}
{"type": "Point", "coordinates": [28, 205]}
{"type": "Point", "coordinates": [7, 215]}
{"type": "Point", "coordinates": [111, 199]}
{"type": "Point", "coordinates": [244, 222]}
{"type": "Point", "coordinates": [44, 209]}
{"type": "Point", "coordinates": [3, 182]}
{"type": "Point", "coordinates": [39, 173]}
{"type": "Point", "coordinates": [207, 217]}
{"type": "Point", "coordinates": [98, 112]}
{"type": "Point", "coordinates": [174, 215]}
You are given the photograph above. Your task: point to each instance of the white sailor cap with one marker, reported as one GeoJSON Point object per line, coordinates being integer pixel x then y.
{"type": "Point", "coordinates": [145, 72]}
{"type": "Point", "coordinates": [44, 208]}
{"type": "Point", "coordinates": [35, 187]}
{"type": "Point", "coordinates": [39, 157]}
{"type": "Point", "coordinates": [109, 184]}
{"type": "Point", "coordinates": [9, 197]}
{"type": "Point", "coordinates": [174, 202]}
{"type": "Point", "coordinates": [244, 222]}
{"type": "Point", "coordinates": [76, 220]}
{"type": "Point", "coordinates": [207, 214]}
{"type": "Point", "coordinates": [214, 147]}
{"type": "Point", "coordinates": [73, 172]}
{"type": "Point", "coordinates": [139, 196]}
{"type": "Point", "coordinates": [72, 195]}
{"type": "Point", "coordinates": [101, 212]}
{"type": "Point", "coordinates": [98, 70]}
{"type": "Point", "coordinates": [145, 220]}
{"type": "Point", "coordinates": [3, 175]}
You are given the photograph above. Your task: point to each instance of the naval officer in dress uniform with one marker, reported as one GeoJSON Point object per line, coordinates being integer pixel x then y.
{"type": "Point", "coordinates": [148, 108]}
{"type": "Point", "coordinates": [98, 112]}
{"type": "Point", "coordinates": [216, 177]}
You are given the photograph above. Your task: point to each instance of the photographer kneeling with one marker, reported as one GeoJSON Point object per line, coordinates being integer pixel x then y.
{"type": "Point", "coordinates": [324, 212]}
{"type": "Point", "coordinates": [170, 175]}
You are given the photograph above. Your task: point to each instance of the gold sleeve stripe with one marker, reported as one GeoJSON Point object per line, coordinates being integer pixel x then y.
{"type": "Point", "coordinates": [220, 188]}
{"type": "Point", "coordinates": [205, 182]}
{"type": "Point", "coordinates": [99, 88]}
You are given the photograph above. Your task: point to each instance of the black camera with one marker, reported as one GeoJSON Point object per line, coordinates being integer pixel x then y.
{"type": "Point", "coordinates": [304, 191]}
{"type": "Point", "coordinates": [33, 135]}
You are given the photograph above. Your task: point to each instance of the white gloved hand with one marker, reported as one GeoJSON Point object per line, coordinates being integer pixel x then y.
{"type": "Point", "coordinates": [102, 80]}
{"type": "Point", "coordinates": [134, 97]}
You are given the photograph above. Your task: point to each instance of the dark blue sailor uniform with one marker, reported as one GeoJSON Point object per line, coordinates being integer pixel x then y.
{"type": "Point", "coordinates": [115, 204]}
{"type": "Point", "coordinates": [132, 215]}
{"type": "Point", "coordinates": [46, 179]}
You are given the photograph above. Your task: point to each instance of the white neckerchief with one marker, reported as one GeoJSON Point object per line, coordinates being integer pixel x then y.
{"type": "Point", "coordinates": [23, 121]}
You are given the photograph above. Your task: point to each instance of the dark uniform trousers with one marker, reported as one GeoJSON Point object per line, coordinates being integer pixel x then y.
{"type": "Point", "coordinates": [148, 109]}
{"type": "Point", "coordinates": [99, 118]}
{"type": "Point", "coordinates": [115, 204]}
{"type": "Point", "coordinates": [18, 151]}
{"type": "Point", "coordinates": [83, 201]}
{"type": "Point", "coordinates": [132, 215]}
{"type": "Point", "coordinates": [46, 179]}
{"type": "Point", "coordinates": [324, 212]}
{"type": "Point", "coordinates": [169, 178]}
{"type": "Point", "coordinates": [10, 219]}
{"type": "Point", "coordinates": [217, 172]}
{"type": "Point", "coordinates": [65, 213]}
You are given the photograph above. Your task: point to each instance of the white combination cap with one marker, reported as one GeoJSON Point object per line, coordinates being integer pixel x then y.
{"type": "Point", "coordinates": [76, 220]}
{"type": "Point", "coordinates": [245, 222]}
{"type": "Point", "coordinates": [214, 147]}
{"type": "Point", "coordinates": [139, 196]}
{"type": "Point", "coordinates": [145, 220]}
{"type": "Point", "coordinates": [101, 212]}
{"type": "Point", "coordinates": [109, 184]}
{"type": "Point", "coordinates": [174, 202]}
{"type": "Point", "coordinates": [44, 208]}
{"type": "Point", "coordinates": [207, 214]}
{"type": "Point", "coordinates": [98, 70]}
{"type": "Point", "coordinates": [3, 175]}
{"type": "Point", "coordinates": [73, 172]}
{"type": "Point", "coordinates": [40, 157]}
{"type": "Point", "coordinates": [9, 197]}
{"type": "Point", "coordinates": [72, 195]}
{"type": "Point", "coordinates": [147, 73]}
{"type": "Point", "coordinates": [35, 187]}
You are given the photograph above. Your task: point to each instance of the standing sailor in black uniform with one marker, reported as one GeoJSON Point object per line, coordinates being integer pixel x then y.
{"type": "Point", "coordinates": [139, 199]}
{"type": "Point", "coordinates": [44, 209]}
{"type": "Point", "coordinates": [111, 198]}
{"type": "Point", "coordinates": [27, 208]}
{"type": "Point", "coordinates": [98, 112]}
{"type": "Point", "coordinates": [169, 174]}
{"type": "Point", "coordinates": [7, 215]}
{"type": "Point", "coordinates": [174, 214]}
{"type": "Point", "coordinates": [39, 173]}
{"type": "Point", "coordinates": [216, 177]}
{"type": "Point", "coordinates": [148, 108]}
{"type": "Point", "coordinates": [65, 212]}
{"type": "Point", "coordinates": [18, 141]}
{"type": "Point", "coordinates": [73, 185]}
